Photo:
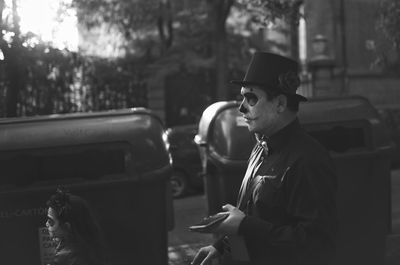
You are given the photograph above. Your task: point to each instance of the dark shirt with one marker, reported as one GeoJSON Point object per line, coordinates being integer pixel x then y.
{"type": "Point", "coordinates": [74, 254]}
{"type": "Point", "coordinates": [68, 256]}
{"type": "Point", "coordinates": [289, 201]}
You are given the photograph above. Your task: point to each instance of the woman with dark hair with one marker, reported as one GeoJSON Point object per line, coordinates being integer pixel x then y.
{"type": "Point", "coordinates": [71, 223]}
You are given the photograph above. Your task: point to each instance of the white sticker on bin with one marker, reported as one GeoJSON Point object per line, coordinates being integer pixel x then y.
{"type": "Point", "coordinates": [47, 246]}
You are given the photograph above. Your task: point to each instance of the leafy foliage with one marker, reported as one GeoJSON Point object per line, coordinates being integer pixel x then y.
{"type": "Point", "coordinates": [169, 38]}
{"type": "Point", "coordinates": [264, 12]}
{"type": "Point", "coordinates": [36, 78]}
{"type": "Point", "coordinates": [62, 82]}
{"type": "Point", "coordinates": [388, 24]}
{"type": "Point", "coordinates": [138, 21]}
{"type": "Point", "coordinates": [128, 16]}
{"type": "Point", "coordinates": [56, 81]}
{"type": "Point", "coordinates": [389, 20]}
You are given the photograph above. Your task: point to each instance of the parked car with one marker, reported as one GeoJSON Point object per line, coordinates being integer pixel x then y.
{"type": "Point", "coordinates": [186, 163]}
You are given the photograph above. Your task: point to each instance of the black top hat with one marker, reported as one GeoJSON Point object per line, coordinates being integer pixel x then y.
{"type": "Point", "coordinates": [273, 72]}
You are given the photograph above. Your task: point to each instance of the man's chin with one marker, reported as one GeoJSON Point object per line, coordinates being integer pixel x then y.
{"type": "Point", "coordinates": [52, 236]}
{"type": "Point", "coordinates": [251, 128]}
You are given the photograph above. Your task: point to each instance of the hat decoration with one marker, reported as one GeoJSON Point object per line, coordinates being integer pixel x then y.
{"type": "Point", "coordinates": [289, 81]}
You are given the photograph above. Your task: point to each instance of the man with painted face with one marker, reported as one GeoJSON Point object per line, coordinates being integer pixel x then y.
{"type": "Point", "coordinates": [286, 207]}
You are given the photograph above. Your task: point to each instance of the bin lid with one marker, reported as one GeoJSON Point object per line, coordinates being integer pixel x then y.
{"type": "Point", "coordinates": [354, 112]}
{"type": "Point", "coordinates": [138, 128]}
{"type": "Point", "coordinates": [349, 108]}
{"type": "Point", "coordinates": [208, 117]}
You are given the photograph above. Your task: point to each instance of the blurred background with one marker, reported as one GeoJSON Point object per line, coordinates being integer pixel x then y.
{"type": "Point", "coordinates": [176, 57]}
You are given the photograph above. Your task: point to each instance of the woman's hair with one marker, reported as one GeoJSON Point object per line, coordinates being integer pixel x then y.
{"type": "Point", "coordinates": [84, 229]}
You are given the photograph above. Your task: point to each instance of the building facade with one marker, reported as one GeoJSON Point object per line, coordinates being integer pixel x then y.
{"type": "Point", "coordinates": [354, 50]}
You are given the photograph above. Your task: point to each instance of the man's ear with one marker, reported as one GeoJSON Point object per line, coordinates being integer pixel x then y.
{"type": "Point", "coordinates": [281, 101]}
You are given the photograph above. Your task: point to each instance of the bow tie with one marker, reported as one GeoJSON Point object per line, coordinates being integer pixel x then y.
{"type": "Point", "coordinates": [263, 143]}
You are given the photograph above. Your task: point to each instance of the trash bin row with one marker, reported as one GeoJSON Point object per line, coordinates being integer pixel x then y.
{"type": "Point", "coordinates": [118, 161]}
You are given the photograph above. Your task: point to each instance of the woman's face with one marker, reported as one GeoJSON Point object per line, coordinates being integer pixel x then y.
{"type": "Point", "coordinates": [53, 224]}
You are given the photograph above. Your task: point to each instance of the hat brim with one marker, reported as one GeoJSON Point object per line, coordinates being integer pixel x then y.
{"type": "Point", "coordinates": [247, 83]}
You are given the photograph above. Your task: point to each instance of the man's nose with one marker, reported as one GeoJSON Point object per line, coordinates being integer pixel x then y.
{"type": "Point", "coordinates": [242, 108]}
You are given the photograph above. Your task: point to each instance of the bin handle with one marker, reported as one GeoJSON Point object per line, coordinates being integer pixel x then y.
{"type": "Point", "coordinates": [197, 139]}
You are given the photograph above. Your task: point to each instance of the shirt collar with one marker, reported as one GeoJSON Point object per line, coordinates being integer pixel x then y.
{"type": "Point", "coordinates": [278, 139]}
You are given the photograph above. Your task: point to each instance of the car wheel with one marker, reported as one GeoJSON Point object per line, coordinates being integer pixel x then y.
{"type": "Point", "coordinates": [179, 184]}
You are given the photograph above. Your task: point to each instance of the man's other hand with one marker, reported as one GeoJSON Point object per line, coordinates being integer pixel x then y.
{"type": "Point", "coordinates": [205, 256]}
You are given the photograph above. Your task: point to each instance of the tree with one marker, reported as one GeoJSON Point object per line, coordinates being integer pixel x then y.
{"type": "Point", "coordinates": [38, 79]}
{"type": "Point", "coordinates": [264, 12]}
{"type": "Point", "coordinates": [140, 17]}
{"type": "Point", "coordinates": [137, 20]}
{"type": "Point", "coordinates": [219, 11]}
{"type": "Point", "coordinates": [13, 58]}
{"type": "Point", "coordinates": [389, 24]}
{"type": "Point", "coordinates": [389, 21]}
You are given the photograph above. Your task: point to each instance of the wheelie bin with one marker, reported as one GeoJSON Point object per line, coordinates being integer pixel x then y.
{"type": "Point", "coordinates": [351, 129]}
{"type": "Point", "coordinates": [117, 160]}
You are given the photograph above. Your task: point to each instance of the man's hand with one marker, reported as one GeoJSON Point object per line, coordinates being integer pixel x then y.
{"type": "Point", "coordinates": [205, 256]}
{"type": "Point", "coordinates": [231, 224]}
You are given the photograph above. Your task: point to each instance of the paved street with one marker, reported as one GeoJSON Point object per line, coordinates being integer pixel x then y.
{"type": "Point", "coordinates": [184, 244]}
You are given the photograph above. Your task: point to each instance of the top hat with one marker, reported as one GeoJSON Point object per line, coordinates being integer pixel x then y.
{"type": "Point", "coordinates": [274, 73]}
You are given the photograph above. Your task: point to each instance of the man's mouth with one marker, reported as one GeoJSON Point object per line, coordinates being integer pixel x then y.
{"type": "Point", "coordinates": [247, 119]}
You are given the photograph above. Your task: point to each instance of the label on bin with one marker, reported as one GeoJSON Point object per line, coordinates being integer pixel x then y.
{"type": "Point", "coordinates": [47, 246]}
{"type": "Point", "coordinates": [240, 122]}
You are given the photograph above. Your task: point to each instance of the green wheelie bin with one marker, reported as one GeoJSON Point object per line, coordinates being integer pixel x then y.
{"type": "Point", "coordinates": [117, 160]}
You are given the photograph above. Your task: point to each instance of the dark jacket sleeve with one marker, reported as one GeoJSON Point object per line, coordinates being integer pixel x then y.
{"type": "Point", "coordinates": [221, 245]}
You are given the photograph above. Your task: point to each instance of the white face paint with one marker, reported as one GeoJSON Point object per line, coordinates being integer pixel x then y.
{"type": "Point", "coordinates": [260, 114]}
